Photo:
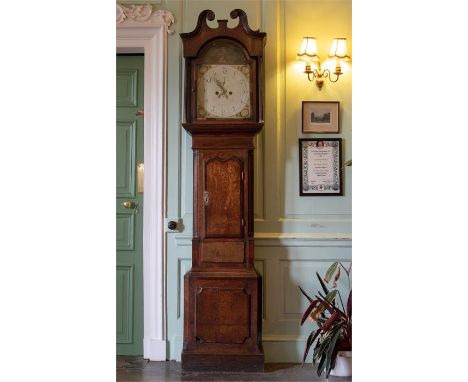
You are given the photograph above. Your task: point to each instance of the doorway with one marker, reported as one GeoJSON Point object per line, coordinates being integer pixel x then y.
{"type": "Point", "coordinates": [150, 38]}
{"type": "Point", "coordinates": [129, 203]}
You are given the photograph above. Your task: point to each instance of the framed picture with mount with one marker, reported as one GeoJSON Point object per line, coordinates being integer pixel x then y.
{"type": "Point", "coordinates": [320, 169]}
{"type": "Point", "coordinates": [320, 117]}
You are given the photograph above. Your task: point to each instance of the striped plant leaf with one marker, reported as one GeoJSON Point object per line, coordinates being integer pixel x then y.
{"type": "Point", "coordinates": [321, 365]}
{"type": "Point", "coordinates": [330, 297]}
{"type": "Point", "coordinates": [308, 310]}
{"type": "Point", "coordinates": [331, 270]}
{"type": "Point", "coordinates": [331, 308]}
{"type": "Point", "coordinates": [330, 351]}
{"type": "Point", "coordinates": [330, 321]}
{"type": "Point", "coordinates": [309, 343]}
{"type": "Point", "coordinates": [324, 344]}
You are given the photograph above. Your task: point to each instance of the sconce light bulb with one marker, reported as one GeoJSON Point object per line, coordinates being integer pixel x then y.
{"type": "Point", "coordinates": [338, 68]}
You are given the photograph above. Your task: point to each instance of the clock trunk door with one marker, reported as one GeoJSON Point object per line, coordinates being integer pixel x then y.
{"type": "Point", "coordinates": [222, 205]}
{"type": "Point", "coordinates": [223, 194]}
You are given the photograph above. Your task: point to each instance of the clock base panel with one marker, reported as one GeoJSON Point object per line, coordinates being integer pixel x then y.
{"type": "Point", "coordinates": [222, 362]}
{"type": "Point", "coordinates": [222, 321]}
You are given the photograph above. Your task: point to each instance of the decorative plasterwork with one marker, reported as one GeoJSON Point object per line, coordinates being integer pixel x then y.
{"type": "Point", "coordinates": [143, 14]}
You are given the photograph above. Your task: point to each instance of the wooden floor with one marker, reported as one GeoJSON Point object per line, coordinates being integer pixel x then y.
{"type": "Point", "coordinates": [137, 369]}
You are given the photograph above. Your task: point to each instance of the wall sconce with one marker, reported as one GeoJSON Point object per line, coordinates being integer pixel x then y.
{"type": "Point", "coordinates": [308, 52]}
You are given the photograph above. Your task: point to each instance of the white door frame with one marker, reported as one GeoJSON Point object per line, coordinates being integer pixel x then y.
{"type": "Point", "coordinates": [140, 29]}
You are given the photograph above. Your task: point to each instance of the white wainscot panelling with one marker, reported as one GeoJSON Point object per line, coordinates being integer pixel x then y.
{"type": "Point", "coordinates": [284, 261]}
{"type": "Point", "coordinates": [295, 273]}
{"type": "Point", "coordinates": [183, 266]}
{"type": "Point", "coordinates": [285, 268]}
{"type": "Point", "coordinates": [259, 265]}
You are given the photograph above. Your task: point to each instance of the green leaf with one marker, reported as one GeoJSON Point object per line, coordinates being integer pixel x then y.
{"type": "Point", "coordinates": [324, 287]}
{"type": "Point", "coordinates": [330, 297]}
{"type": "Point", "coordinates": [321, 365]}
{"type": "Point", "coordinates": [324, 345]}
{"type": "Point", "coordinates": [305, 294]}
{"type": "Point", "coordinates": [330, 351]}
{"type": "Point", "coordinates": [331, 308]}
{"type": "Point", "coordinates": [319, 310]}
{"type": "Point", "coordinates": [331, 270]}
{"type": "Point", "coordinates": [314, 356]}
{"type": "Point", "coordinates": [309, 343]}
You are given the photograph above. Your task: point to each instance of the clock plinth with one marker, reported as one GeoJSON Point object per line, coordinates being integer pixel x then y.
{"type": "Point", "coordinates": [223, 291]}
{"type": "Point", "coordinates": [225, 323]}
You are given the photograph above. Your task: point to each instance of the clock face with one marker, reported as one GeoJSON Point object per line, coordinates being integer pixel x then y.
{"type": "Point", "coordinates": [223, 91]}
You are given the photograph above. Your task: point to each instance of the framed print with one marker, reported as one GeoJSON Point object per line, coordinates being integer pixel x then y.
{"type": "Point", "coordinates": [320, 167]}
{"type": "Point", "coordinates": [320, 117]}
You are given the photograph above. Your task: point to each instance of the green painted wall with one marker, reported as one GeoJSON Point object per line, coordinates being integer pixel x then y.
{"type": "Point", "coordinates": [295, 236]}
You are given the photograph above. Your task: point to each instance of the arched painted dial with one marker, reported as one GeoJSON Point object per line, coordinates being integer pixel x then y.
{"type": "Point", "coordinates": [223, 91]}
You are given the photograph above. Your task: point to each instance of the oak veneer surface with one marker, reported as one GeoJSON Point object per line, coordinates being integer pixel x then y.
{"type": "Point", "coordinates": [224, 191]}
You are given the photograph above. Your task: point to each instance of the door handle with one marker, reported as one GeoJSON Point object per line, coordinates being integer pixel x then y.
{"type": "Point", "coordinates": [172, 225]}
{"type": "Point", "coordinates": [128, 204]}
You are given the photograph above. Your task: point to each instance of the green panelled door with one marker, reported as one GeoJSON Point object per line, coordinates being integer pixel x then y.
{"type": "Point", "coordinates": [129, 209]}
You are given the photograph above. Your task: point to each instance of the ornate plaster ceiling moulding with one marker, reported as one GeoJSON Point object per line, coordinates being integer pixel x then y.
{"type": "Point", "coordinates": [143, 15]}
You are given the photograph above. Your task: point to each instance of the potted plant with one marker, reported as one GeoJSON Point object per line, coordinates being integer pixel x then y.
{"type": "Point", "coordinates": [332, 350]}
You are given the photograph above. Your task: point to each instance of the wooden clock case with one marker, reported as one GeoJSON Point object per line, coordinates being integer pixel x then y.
{"type": "Point", "coordinates": [222, 291]}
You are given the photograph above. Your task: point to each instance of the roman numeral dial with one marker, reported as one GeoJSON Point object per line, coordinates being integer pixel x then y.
{"type": "Point", "coordinates": [223, 91]}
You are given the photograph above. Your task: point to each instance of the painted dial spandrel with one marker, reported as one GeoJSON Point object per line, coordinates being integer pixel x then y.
{"type": "Point", "coordinates": [223, 91]}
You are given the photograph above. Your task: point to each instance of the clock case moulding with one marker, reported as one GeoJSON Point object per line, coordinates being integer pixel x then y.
{"type": "Point", "coordinates": [222, 290]}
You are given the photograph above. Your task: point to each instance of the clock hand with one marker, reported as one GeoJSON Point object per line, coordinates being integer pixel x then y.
{"type": "Point", "coordinates": [224, 89]}
{"type": "Point", "coordinates": [221, 85]}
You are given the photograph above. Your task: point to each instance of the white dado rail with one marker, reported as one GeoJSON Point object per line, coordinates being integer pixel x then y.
{"type": "Point", "coordinates": [263, 239]}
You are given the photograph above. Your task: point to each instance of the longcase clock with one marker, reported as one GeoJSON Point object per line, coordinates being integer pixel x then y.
{"type": "Point", "coordinates": [223, 112]}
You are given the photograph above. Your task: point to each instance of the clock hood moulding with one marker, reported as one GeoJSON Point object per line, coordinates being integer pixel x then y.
{"type": "Point", "coordinates": [252, 40]}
